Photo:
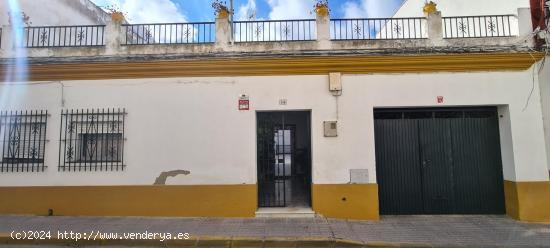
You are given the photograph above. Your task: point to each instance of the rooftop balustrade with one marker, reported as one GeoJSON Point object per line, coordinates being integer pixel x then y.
{"type": "Point", "coordinates": [378, 29]}
{"type": "Point", "coordinates": [169, 33]}
{"type": "Point", "coordinates": [480, 26]}
{"type": "Point", "coordinates": [274, 30]}
{"type": "Point", "coordinates": [63, 36]}
{"type": "Point", "coordinates": [266, 36]}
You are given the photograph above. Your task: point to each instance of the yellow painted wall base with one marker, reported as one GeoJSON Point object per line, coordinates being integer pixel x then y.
{"type": "Point", "coordinates": [188, 201]}
{"type": "Point", "coordinates": [346, 201]}
{"type": "Point", "coordinates": [528, 201]}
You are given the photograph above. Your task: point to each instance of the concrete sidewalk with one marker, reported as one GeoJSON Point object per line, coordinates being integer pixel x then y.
{"type": "Point", "coordinates": [420, 231]}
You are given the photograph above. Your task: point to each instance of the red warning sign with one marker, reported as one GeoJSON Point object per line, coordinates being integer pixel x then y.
{"type": "Point", "coordinates": [244, 103]}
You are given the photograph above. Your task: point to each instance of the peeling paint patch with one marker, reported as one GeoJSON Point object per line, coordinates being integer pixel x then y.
{"type": "Point", "coordinates": [161, 179]}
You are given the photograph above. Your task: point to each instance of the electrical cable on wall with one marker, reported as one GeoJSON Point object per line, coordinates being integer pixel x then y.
{"type": "Point", "coordinates": [337, 108]}
{"type": "Point", "coordinates": [545, 34]}
{"type": "Point", "coordinates": [539, 32]}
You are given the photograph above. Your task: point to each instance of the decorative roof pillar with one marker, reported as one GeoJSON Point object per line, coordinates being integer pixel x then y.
{"type": "Point", "coordinates": [322, 12]}
{"type": "Point", "coordinates": [223, 26]}
{"type": "Point", "coordinates": [435, 23]}
{"type": "Point", "coordinates": [114, 33]}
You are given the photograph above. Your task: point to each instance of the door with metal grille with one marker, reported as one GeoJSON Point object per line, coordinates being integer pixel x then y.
{"type": "Point", "coordinates": [280, 163]}
{"type": "Point", "coordinates": [439, 161]}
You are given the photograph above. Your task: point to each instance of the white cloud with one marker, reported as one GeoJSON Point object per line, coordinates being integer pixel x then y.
{"type": "Point", "coordinates": [245, 11]}
{"type": "Point", "coordinates": [370, 9]}
{"type": "Point", "coordinates": [290, 9]}
{"type": "Point", "coordinates": [139, 11]}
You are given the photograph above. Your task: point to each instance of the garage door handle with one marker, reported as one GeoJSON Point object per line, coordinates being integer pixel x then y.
{"type": "Point", "coordinates": [425, 162]}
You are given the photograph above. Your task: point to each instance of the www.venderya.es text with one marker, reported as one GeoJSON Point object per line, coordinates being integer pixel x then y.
{"type": "Point", "coordinates": [97, 235]}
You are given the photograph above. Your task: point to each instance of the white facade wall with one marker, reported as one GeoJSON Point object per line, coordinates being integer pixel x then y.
{"type": "Point", "coordinates": [544, 79]}
{"type": "Point", "coordinates": [56, 12]}
{"type": "Point", "coordinates": [193, 123]}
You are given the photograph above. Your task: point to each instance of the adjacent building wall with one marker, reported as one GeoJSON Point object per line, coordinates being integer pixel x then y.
{"type": "Point", "coordinates": [56, 12]}
{"type": "Point", "coordinates": [413, 8]}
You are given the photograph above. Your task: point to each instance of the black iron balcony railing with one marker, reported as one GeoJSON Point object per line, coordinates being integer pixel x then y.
{"type": "Point", "coordinates": [270, 31]}
{"type": "Point", "coordinates": [479, 26]}
{"type": "Point", "coordinates": [64, 36]}
{"type": "Point", "coordinates": [169, 33]}
{"type": "Point", "coordinates": [410, 28]}
{"type": "Point", "coordinates": [378, 28]}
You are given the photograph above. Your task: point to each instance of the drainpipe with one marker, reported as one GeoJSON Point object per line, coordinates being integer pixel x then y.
{"type": "Point", "coordinates": [538, 14]}
{"type": "Point", "coordinates": [538, 19]}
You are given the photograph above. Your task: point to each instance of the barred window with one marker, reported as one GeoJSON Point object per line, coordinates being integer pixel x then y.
{"type": "Point", "coordinates": [92, 140]}
{"type": "Point", "coordinates": [22, 140]}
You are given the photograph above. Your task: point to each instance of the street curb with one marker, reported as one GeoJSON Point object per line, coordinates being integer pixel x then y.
{"type": "Point", "coordinates": [197, 241]}
{"type": "Point", "coordinates": [220, 241]}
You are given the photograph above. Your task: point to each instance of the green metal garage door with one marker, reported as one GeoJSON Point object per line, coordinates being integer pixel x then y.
{"type": "Point", "coordinates": [439, 161]}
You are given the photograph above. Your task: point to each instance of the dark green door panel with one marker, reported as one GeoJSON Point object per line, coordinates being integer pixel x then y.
{"type": "Point", "coordinates": [396, 146]}
{"type": "Point", "coordinates": [439, 161]}
{"type": "Point", "coordinates": [436, 158]}
{"type": "Point", "coordinates": [477, 166]}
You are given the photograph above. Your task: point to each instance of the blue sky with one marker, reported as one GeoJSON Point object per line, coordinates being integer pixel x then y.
{"type": "Point", "coordinates": [150, 11]}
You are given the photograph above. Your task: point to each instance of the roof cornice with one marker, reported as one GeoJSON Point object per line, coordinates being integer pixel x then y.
{"type": "Point", "coordinates": [278, 65]}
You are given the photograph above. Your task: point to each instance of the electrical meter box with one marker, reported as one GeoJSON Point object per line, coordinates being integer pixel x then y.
{"type": "Point", "coordinates": [331, 128]}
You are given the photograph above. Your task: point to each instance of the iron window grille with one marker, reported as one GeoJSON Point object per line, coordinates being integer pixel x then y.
{"type": "Point", "coordinates": [23, 140]}
{"type": "Point", "coordinates": [436, 113]}
{"type": "Point", "coordinates": [92, 140]}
